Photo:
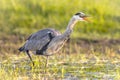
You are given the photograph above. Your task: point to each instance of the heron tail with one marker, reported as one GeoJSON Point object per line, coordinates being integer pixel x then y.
{"type": "Point", "coordinates": [21, 49]}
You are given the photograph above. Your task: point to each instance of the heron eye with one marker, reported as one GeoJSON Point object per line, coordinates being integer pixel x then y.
{"type": "Point", "coordinates": [81, 15]}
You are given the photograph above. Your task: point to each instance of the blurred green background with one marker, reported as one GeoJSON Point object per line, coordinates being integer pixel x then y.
{"type": "Point", "coordinates": [23, 17]}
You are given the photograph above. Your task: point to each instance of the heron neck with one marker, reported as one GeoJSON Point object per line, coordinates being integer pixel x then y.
{"type": "Point", "coordinates": [70, 27]}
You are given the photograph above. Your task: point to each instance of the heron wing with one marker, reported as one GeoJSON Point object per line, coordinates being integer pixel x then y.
{"type": "Point", "coordinates": [39, 39]}
{"type": "Point", "coordinates": [42, 33]}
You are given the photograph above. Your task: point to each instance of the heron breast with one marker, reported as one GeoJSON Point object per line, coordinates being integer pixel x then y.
{"type": "Point", "coordinates": [55, 46]}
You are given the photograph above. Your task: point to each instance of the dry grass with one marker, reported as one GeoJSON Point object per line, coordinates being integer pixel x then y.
{"type": "Point", "coordinates": [80, 59]}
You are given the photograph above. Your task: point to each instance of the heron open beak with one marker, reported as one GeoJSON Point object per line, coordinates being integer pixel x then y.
{"type": "Point", "coordinates": [87, 18]}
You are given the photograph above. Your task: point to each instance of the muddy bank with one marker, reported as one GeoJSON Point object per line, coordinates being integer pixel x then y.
{"type": "Point", "coordinates": [82, 45]}
{"type": "Point", "coordinates": [89, 45]}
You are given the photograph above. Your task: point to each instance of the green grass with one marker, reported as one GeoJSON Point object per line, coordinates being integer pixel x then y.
{"type": "Point", "coordinates": [76, 65]}
{"type": "Point", "coordinates": [82, 59]}
{"type": "Point", "coordinates": [93, 52]}
{"type": "Point", "coordinates": [25, 17]}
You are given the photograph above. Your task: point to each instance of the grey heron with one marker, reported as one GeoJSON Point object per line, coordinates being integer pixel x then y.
{"type": "Point", "coordinates": [49, 41]}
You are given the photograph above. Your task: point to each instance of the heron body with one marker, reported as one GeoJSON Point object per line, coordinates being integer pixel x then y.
{"type": "Point", "coordinates": [40, 40]}
{"type": "Point", "coordinates": [49, 41]}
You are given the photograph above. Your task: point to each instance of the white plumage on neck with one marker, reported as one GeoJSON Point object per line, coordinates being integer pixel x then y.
{"type": "Point", "coordinates": [70, 26]}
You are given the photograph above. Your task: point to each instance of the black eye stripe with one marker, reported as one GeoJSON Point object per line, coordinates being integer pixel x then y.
{"type": "Point", "coordinates": [77, 13]}
{"type": "Point", "coordinates": [80, 14]}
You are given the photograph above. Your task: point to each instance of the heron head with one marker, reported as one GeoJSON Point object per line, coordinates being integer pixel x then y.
{"type": "Point", "coordinates": [80, 16]}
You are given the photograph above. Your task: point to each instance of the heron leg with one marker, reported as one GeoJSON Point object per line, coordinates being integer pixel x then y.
{"type": "Point", "coordinates": [30, 57]}
{"type": "Point", "coordinates": [47, 59]}
{"type": "Point", "coordinates": [46, 64]}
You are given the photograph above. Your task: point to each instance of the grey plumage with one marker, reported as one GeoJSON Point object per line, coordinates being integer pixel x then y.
{"type": "Point", "coordinates": [49, 41]}
{"type": "Point", "coordinates": [37, 40]}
